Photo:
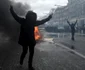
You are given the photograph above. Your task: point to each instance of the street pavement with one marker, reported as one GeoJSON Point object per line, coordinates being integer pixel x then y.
{"type": "Point", "coordinates": [48, 56]}
{"type": "Point", "coordinates": [77, 45]}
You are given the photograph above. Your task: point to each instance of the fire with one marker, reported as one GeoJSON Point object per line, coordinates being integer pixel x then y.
{"type": "Point", "coordinates": [37, 33]}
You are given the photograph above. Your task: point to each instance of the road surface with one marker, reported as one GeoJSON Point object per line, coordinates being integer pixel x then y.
{"type": "Point", "coordinates": [49, 55]}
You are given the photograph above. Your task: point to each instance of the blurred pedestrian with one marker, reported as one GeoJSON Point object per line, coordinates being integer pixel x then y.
{"type": "Point", "coordinates": [72, 26]}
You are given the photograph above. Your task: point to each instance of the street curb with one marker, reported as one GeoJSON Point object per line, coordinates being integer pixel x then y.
{"type": "Point", "coordinates": [71, 50]}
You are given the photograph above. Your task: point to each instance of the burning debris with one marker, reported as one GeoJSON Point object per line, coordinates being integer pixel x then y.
{"type": "Point", "coordinates": [37, 33]}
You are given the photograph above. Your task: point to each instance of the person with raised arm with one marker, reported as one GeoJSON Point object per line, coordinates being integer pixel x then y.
{"type": "Point", "coordinates": [27, 38]}
{"type": "Point", "coordinates": [72, 26]}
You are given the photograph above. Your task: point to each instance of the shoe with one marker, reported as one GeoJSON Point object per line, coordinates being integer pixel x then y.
{"type": "Point", "coordinates": [21, 62]}
{"type": "Point", "coordinates": [19, 65]}
{"type": "Point", "coordinates": [31, 68]}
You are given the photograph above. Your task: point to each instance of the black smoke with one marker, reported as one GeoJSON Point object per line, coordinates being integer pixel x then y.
{"type": "Point", "coordinates": [7, 23]}
{"type": "Point", "coordinates": [21, 9]}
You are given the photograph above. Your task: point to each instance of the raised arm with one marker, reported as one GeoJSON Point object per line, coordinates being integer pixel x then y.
{"type": "Point", "coordinates": [75, 22]}
{"type": "Point", "coordinates": [16, 17]}
{"type": "Point", "coordinates": [68, 22]}
{"type": "Point", "coordinates": [44, 20]}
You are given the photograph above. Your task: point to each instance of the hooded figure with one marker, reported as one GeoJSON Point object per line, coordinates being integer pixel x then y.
{"type": "Point", "coordinates": [27, 37]}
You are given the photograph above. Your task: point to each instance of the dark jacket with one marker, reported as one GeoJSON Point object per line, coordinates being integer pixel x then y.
{"type": "Point", "coordinates": [26, 37]}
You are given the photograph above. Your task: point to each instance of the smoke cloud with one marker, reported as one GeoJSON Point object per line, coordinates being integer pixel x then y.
{"type": "Point", "coordinates": [7, 23]}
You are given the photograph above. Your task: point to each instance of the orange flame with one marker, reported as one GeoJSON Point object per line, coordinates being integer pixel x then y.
{"type": "Point", "coordinates": [37, 33]}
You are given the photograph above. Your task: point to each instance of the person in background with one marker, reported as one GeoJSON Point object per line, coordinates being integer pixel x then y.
{"type": "Point", "coordinates": [72, 26]}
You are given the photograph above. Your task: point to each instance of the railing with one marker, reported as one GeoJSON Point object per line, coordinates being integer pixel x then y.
{"type": "Point", "coordinates": [63, 35]}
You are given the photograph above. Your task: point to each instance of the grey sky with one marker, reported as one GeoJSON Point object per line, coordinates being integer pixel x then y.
{"type": "Point", "coordinates": [42, 7]}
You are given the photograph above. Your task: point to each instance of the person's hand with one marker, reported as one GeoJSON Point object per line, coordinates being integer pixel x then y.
{"type": "Point", "coordinates": [76, 20]}
{"type": "Point", "coordinates": [11, 7]}
{"type": "Point", "coordinates": [67, 20]}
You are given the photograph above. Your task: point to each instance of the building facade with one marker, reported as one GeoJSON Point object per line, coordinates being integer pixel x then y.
{"type": "Point", "coordinates": [75, 10]}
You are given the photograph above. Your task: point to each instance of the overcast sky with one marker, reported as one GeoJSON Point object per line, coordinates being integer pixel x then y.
{"type": "Point", "coordinates": [41, 7]}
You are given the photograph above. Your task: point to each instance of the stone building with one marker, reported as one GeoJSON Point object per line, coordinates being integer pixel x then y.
{"type": "Point", "coordinates": [75, 10]}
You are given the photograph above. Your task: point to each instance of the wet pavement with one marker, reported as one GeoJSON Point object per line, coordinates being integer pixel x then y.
{"type": "Point", "coordinates": [49, 55]}
{"type": "Point", "coordinates": [77, 45]}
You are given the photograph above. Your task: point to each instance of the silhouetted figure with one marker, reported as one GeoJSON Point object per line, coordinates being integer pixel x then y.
{"type": "Point", "coordinates": [27, 37]}
{"type": "Point", "coordinates": [72, 26]}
